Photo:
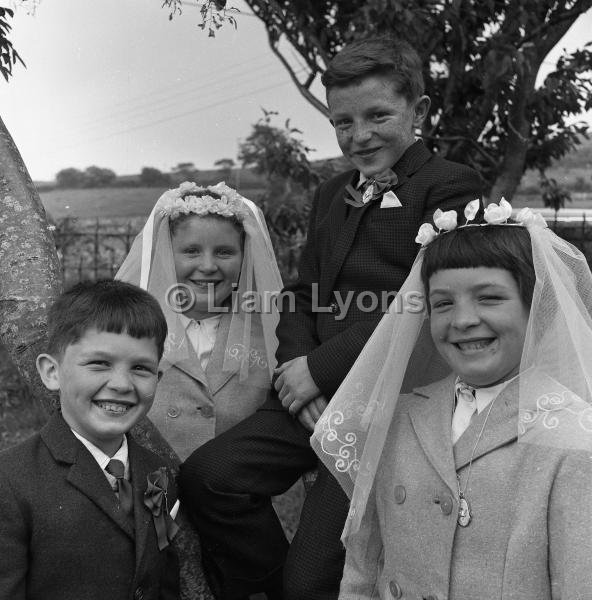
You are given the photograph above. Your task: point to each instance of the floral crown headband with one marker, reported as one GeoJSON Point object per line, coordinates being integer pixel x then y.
{"type": "Point", "coordinates": [494, 214]}
{"type": "Point", "coordinates": [190, 198]}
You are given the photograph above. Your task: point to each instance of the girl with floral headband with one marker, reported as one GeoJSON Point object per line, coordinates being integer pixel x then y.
{"type": "Point", "coordinates": [205, 254]}
{"type": "Point", "coordinates": [470, 474]}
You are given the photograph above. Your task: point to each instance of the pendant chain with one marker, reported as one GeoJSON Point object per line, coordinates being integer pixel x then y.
{"type": "Point", "coordinates": [464, 514]}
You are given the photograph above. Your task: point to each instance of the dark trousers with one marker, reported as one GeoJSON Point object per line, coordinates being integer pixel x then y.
{"type": "Point", "coordinates": [226, 486]}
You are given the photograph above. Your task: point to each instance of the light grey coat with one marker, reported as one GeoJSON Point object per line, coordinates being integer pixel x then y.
{"type": "Point", "coordinates": [192, 406]}
{"type": "Point", "coordinates": [530, 537]}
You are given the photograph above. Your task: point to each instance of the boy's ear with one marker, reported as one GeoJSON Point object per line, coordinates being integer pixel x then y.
{"type": "Point", "coordinates": [421, 108]}
{"type": "Point", "coordinates": [49, 370]}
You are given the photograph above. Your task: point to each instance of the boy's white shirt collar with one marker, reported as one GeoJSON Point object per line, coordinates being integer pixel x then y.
{"type": "Point", "coordinates": [103, 459]}
{"type": "Point", "coordinates": [123, 455]}
{"type": "Point", "coordinates": [484, 396]}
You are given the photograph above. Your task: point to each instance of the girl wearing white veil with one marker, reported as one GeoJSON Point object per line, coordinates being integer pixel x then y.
{"type": "Point", "coordinates": [478, 485]}
{"type": "Point", "coordinates": [206, 255]}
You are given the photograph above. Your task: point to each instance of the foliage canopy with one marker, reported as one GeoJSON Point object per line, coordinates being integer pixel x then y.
{"type": "Point", "coordinates": [481, 62]}
{"type": "Point", "coordinates": [8, 55]}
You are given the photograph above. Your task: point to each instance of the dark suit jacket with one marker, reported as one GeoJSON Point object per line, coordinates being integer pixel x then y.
{"type": "Point", "coordinates": [62, 533]}
{"type": "Point", "coordinates": [350, 251]}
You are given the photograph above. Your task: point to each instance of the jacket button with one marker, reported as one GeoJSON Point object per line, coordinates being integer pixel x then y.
{"type": "Point", "coordinates": [400, 494]}
{"type": "Point", "coordinates": [446, 505]}
{"type": "Point", "coordinates": [395, 589]}
{"type": "Point", "coordinates": [207, 411]}
{"type": "Point", "coordinates": [173, 412]}
{"type": "Point", "coordinates": [139, 594]}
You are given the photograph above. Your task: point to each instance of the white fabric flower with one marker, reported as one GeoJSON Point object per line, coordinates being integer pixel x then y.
{"type": "Point", "coordinates": [225, 191]}
{"type": "Point", "coordinates": [529, 218]}
{"type": "Point", "coordinates": [446, 221]}
{"type": "Point", "coordinates": [426, 234]}
{"type": "Point", "coordinates": [471, 209]}
{"type": "Point", "coordinates": [187, 186]}
{"type": "Point", "coordinates": [496, 214]}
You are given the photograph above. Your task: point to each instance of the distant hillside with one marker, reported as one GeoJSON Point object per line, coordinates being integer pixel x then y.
{"type": "Point", "coordinates": [574, 171]}
{"type": "Point", "coordinates": [125, 199]}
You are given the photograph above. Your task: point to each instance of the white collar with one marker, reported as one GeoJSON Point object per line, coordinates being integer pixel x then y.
{"type": "Point", "coordinates": [102, 458]}
{"type": "Point", "coordinates": [361, 180]}
{"type": "Point", "coordinates": [485, 395]}
{"type": "Point", "coordinates": [209, 323]}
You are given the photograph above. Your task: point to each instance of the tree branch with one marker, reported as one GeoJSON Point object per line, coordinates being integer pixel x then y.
{"type": "Point", "coordinates": [559, 25]}
{"type": "Point", "coordinates": [302, 88]}
{"type": "Point", "coordinates": [468, 140]}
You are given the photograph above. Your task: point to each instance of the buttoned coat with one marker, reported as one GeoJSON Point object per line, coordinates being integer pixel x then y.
{"type": "Point", "coordinates": [530, 536]}
{"type": "Point", "coordinates": [63, 535]}
{"type": "Point", "coordinates": [192, 407]}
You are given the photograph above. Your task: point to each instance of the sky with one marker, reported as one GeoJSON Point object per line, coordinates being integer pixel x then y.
{"type": "Point", "coordinates": [115, 83]}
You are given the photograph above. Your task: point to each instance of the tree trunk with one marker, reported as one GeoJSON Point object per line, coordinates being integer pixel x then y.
{"type": "Point", "coordinates": [30, 277]}
{"type": "Point", "coordinates": [517, 143]}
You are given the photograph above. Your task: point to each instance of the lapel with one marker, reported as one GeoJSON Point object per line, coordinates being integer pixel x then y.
{"type": "Point", "coordinates": [84, 473]}
{"type": "Point", "coordinates": [191, 365]}
{"type": "Point", "coordinates": [142, 518]}
{"type": "Point", "coordinates": [501, 427]}
{"type": "Point", "coordinates": [347, 223]}
{"type": "Point", "coordinates": [216, 376]}
{"type": "Point", "coordinates": [414, 158]}
{"type": "Point", "coordinates": [431, 419]}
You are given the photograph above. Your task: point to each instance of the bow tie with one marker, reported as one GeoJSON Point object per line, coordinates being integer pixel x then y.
{"type": "Point", "coordinates": [373, 189]}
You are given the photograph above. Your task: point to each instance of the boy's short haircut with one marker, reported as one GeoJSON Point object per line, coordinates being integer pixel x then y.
{"type": "Point", "coordinates": [495, 246]}
{"type": "Point", "coordinates": [107, 306]}
{"type": "Point", "coordinates": [378, 55]}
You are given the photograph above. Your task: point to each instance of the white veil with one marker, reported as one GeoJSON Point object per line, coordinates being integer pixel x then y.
{"type": "Point", "coordinates": [251, 342]}
{"type": "Point", "coordinates": [555, 383]}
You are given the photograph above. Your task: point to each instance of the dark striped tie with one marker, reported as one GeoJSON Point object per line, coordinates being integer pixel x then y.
{"type": "Point", "coordinates": [124, 489]}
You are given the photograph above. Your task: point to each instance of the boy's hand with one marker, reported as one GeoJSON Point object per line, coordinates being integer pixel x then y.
{"type": "Point", "coordinates": [294, 384]}
{"type": "Point", "coordinates": [311, 413]}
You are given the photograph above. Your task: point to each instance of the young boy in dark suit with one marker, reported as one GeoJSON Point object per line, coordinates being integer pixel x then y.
{"type": "Point", "coordinates": [360, 248]}
{"type": "Point", "coordinates": [81, 501]}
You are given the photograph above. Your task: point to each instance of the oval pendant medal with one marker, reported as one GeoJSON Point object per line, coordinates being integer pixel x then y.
{"type": "Point", "coordinates": [464, 511]}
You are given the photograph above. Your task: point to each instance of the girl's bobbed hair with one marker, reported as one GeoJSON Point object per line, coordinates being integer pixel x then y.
{"type": "Point", "coordinates": [505, 247]}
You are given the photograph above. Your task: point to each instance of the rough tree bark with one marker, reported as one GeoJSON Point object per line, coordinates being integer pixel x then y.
{"type": "Point", "coordinates": [30, 277]}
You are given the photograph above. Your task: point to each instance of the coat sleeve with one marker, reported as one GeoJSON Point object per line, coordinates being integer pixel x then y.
{"type": "Point", "coordinates": [570, 529]}
{"type": "Point", "coordinates": [364, 560]}
{"type": "Point", "coordinates": [296, 330]}
{"type": "Point", "coordinates": [13, 544]}
{"type": "Point", "coordinates": [330, 362]}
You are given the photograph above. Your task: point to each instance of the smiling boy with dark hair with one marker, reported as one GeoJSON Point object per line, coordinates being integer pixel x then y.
{"type": "Point", "coordinates": [75, 519]}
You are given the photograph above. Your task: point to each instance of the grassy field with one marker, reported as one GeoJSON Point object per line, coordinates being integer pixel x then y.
{"type": "Point", "coordinates": [107, 202]}
{"type": "Point", "coordinates": [100, 202]}
{"type": "Point", "coordinates": [129, 202]}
